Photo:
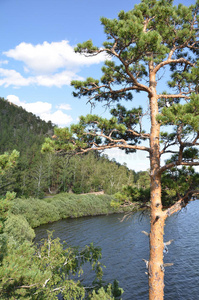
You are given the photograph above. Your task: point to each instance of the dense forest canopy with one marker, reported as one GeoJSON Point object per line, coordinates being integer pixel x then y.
{"type": "Point", "coordinates": [37, 174]}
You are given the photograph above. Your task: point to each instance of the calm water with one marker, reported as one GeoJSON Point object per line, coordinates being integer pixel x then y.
{"type": "Point", "coordinates": [124, 246]}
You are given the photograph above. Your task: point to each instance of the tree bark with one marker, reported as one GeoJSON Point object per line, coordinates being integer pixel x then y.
{"type": "Point", "coordinates": [155, 266]}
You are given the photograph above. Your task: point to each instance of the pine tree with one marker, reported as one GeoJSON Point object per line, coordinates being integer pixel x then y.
{"type": "Point", "coordinates": [153, 37]}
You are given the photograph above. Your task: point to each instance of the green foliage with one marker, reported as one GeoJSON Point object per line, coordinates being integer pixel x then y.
{"type": "Point", "coordinates": [35, 211]}
{"type": "Point", "coordinates": [8, 161]}
{"type": "Point", "coordinates": [24, 132]}
{"type": "Point", "coordinates": [178, 114]}
{"type": "Point", "coordinates": [20, 130]}
{"type": "Point", "coordinates": [78, 136]}
{"type": "Point", "coordinates": [34, 174]}
{"type": "Point", "coordinates": [18, 229]}
{"type": "Point", "coordinates": [137, 37]}
{"type": "Point", "coordinates": [43, 272]}
{"type": "Point", "coordinates": [142, 180]}
{"type": "Point", "coordinates": [88, 45]}
{"type": "Point", "coordinates": [178, 183]}
{"type": "Point", "coordinates": [8, 165]}
{"type": "Point", "coordinates": [154, 35]}
{"type": "Point", "coordinates": [90, 172]}
{"type": "Point", "coordinates": [5, 205]}
{"type": "Point", "coordinates": [107, 293]}
{"type": "Point", "coordinates": [93, 130]}
{"type": "Point", "coordinates": [130, 194]}
{"type": "Point", "coordinates": [3, 247]}
{"type": "Point", "coordinates": [101, 294]}
{"type": "Point", "coordinates": [61, 206]}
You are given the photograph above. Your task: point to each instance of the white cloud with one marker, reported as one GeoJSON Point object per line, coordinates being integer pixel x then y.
{"type": "Point", "coordinates": [43, 110]}
{"type": "Point", "coordinates": [50, 57]}
{"type": "Point", "coordinates": [58, 79]}
{"type": "Point", "coordinates": [14, 99]}
{"type": "Point", "coordinates": [38, 108]}
{"type": "Point", "coordinates": [12, 77]}
{"type": "Point", "coordinates": [59, 118]}
{"type": "Point", "coordinates": [48, 64]}
{"type": "Point", "coordinates": [64, 106]}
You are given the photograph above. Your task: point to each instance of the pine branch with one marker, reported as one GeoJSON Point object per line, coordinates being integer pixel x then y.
{"type": "Point", "coordinates": [180, 203]}
{"type": "Point", "coordinates": [104, 147]}
{"type": "Point", "coordinates": [177, 163]}
{"type": "Point", "coordinates": [108, 137]}
{"type": "Point", "coordinates": [166, 146]}
{"type": "Point", "coordinates": [138, 86]}
{"type": "Point", "coordinates": [173, 61]}
{"type": "Point", "coordinates": [181, 95]}
{"type": "Point", "coordinates": [140, 135]}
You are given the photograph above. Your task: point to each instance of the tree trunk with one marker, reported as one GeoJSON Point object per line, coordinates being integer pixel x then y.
{"type": "Point", "coordinates": [155, 266]}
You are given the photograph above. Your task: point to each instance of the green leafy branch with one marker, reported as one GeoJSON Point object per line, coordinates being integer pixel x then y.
{"type": "Point", "coordinates": [97, 133]}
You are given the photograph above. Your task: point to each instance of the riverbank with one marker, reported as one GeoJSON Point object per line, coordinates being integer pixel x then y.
{"type": "Point", "coordinates": [65, 205]}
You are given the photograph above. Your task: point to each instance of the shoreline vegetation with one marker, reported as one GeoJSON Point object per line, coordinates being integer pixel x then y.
{"type": "Point", "coordinates": [37, 273]}
{"type": "Point", "coordinates": [26, 214]}
{"type": "Point", "coordinates": [66, 205]}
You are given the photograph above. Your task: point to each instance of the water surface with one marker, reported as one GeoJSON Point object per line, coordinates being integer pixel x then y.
{"type": "Point", "coordinates": [124, 246]}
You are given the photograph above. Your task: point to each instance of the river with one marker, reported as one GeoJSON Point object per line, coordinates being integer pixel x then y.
{"type": "Point", "coordinates": [124, 246]}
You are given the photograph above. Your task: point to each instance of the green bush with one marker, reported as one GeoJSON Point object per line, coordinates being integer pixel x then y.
{"type": "Point", "coordinates": [18, 229]}
{"type": "Point", "coordinates": [64, 205]}
{"type": "Point", "coordinates": [35, 211]}
{"type": "Point", "coordinates": [72, 205]}
{"type": "Point", "coordinates": [46, 270]}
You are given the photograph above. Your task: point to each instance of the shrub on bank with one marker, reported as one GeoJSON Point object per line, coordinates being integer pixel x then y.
{"type": "Point", "coordinates": [18, 229]}
{"type": "Point", "coordinates": [35, 211]}
{"type": "Point", "coordinates": [64, 205]}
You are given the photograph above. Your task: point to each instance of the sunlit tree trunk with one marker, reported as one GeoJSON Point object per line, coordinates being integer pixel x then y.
{"type": "Point", "coordinates": [155, 266]}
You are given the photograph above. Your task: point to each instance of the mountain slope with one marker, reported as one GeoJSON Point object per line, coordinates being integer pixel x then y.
{"type": "Point", "coordinates": [20, 129]}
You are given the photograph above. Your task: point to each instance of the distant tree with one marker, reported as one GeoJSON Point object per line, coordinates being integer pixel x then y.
{"type": "Point", "coordinates": [143, 179]}
{"type": "Point", "coordinates": [7, 162]}
{"type": "Point", "coordinates": [39, 178]}
{"type": "Point", "coordinates": [144, 44]}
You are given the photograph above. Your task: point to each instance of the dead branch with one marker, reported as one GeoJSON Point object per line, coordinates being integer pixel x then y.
{"type": "Point", "coordinates": [146, 233]}
{"type": "Point", "coordinates": [180, 203]}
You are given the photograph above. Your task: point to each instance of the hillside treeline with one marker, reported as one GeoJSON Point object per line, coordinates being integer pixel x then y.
{"type": "Point", "coordinates": [39, 174]}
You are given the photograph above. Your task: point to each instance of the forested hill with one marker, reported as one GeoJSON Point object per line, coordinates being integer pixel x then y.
{"type": "Point", "coordinates": [39, 174]}
{"type": "Point", "coordinates": [20, 129]}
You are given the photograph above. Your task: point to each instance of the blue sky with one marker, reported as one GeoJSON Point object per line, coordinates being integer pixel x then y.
{"type": "Point", "coordinates": [37, 61]}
